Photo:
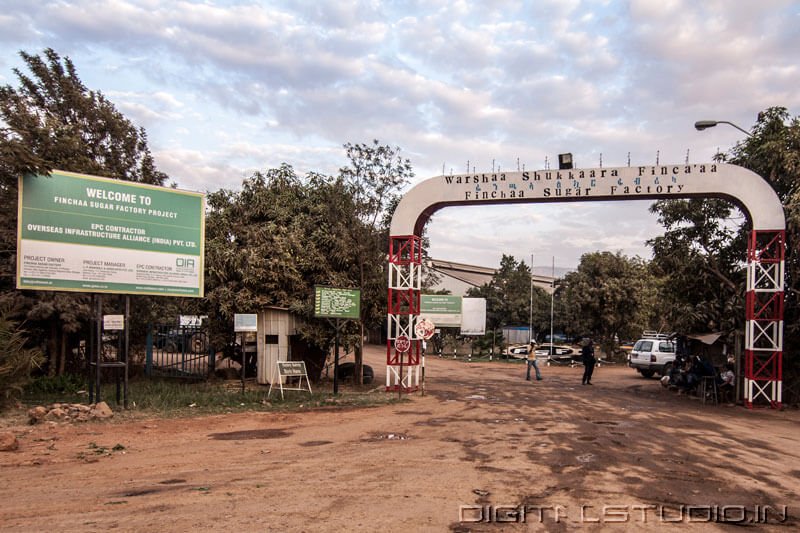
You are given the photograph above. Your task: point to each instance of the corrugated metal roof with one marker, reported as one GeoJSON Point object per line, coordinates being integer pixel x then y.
{"type": "Point", "coordinates": [476, 275]}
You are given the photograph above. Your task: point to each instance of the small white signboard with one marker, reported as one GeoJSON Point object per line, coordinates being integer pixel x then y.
{"type": "Point", "coordinates": [113, 322]}
{"type": "Point", "coordinates": [473, 316]}
{"type": "Point", "coordinates": [245, 322]}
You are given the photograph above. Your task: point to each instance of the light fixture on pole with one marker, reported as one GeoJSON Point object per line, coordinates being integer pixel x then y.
{"type": "Point", "coordinates": [701, 125]}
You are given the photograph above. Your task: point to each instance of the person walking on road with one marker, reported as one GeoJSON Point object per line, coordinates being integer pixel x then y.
{"type": "Point", "coordinates": [532, 362]}
{"type": "Point", "coordinates": [587, 355]}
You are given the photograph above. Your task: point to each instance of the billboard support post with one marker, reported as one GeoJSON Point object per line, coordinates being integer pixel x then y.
{"type": "Point", "coordinates": [127, 344]}
{"type": "Point", "coordinates": [120, 324]}
{"type": "Point", "coordinates": [336, 359]}
{"type": "Point", "coordinates": [341, 305]}
{"type": "Point", "coordinates": [98, 347]}
{"type": "Point", "coordinates": [82, 233]}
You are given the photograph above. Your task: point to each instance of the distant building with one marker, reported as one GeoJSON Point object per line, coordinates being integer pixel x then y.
{"type": "Point", "coordinates": [458, 278]}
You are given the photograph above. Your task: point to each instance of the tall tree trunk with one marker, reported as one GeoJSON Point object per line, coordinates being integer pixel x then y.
{"type": "Point", "coordinates": [359, 352]}
{"type": "Point", "coordinates": [62, 358]}
{"type": "Point", "coordinates": [52, 348]}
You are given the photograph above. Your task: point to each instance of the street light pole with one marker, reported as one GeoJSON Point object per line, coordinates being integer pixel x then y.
{"type": "Point", "coordinates": [552, 297]}
{"type": "Point", "coordinates": [701, 125]}
{"type": "Point", "coordinates": [530, 310]}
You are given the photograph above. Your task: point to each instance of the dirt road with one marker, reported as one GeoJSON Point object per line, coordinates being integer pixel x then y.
{"type": "Point", "coordinates": [481, 444]}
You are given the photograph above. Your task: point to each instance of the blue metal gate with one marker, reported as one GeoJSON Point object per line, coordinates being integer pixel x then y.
{"type": "Point", "coordinates": [178, 351]}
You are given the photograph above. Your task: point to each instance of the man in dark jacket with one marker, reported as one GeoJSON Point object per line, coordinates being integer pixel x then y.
{"type": "Point", "coordinates": [587, 355]}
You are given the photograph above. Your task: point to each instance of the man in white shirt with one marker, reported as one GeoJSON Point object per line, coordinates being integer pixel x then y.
{"type": "Point", "coordinates": [532, 362]}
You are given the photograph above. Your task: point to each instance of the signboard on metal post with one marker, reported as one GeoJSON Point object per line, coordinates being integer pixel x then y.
{"type": "Point", "coordinates": [91, 234]}
{"type": "Point", "coordinates": [402, 344]}
{"type": "Point", "coordinates": [337, 303]}
{"type": "Point", "coordinates": [245, 322]}
{"type": "Point", "coordinates": [424, 329]}
{"type": "Point", "coordinates": [113, 322]}
{"type": "Point", "coordinates": [473, 319]}
{"type": "Point", "coordinates": [331, 302]}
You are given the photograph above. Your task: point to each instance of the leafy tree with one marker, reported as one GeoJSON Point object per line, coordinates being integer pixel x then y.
{"type": "Point", "coordinates": [271, 242]}
{"type": "Point", "coordinates": [52, 121]}
{"type": "Point", "coordinates": [699, 259]}
{"type": "Point", "coordinates": [508, 297]}
{"type": "Point", "coordinates": [611, 296]}
{"type": "Point", "coordinates": [375, 174]}
{"type": "Point", "coordinates": [773, 152]}
{"type": "Point", "coordinates": [702, 252]}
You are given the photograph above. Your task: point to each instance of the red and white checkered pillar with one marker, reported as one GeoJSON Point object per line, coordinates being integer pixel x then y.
{"type": "Point", "coordinates": [763, 378]}
{"type": "Point", "coordinates": [405, 278]}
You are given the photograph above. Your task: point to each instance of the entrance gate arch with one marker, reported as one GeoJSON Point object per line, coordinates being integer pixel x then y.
{"type": "Point", "coordinates": [749, 191]}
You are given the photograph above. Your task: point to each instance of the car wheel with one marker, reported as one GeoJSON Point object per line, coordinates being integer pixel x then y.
{"type": "Point", "coordinates": [647, 373]}
{"type": "Point", "coordinates": [666, 370]}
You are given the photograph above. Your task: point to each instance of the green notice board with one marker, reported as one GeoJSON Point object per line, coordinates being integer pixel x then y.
{"type": "Point", "coordinates": [91, 234]}
{"type": "Point", "coordinates": [332, 302]}
{"type": "Point", "coordinates": [443, 310]}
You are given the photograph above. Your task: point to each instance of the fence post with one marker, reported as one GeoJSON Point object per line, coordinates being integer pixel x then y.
{"type": "Point", "coordinates": [148, 369]}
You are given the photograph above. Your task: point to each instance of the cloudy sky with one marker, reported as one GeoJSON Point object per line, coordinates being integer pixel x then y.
{"type": "Point", "coordinates": [225, 88]}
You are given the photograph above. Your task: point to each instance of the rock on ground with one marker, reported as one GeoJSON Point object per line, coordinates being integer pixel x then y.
{"type": "Point", "coordinates": [8, 442]}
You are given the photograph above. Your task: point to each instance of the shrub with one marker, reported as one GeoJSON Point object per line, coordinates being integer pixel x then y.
{"type": "Point", "coordinates": [68, 384]}
{"type": "Point", "coordinates": [16, 361]}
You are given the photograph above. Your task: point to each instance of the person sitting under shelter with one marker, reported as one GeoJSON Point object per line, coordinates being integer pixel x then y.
{"type": "Point", "coordinates": [676, 377]}
{"type": "Point", "coordinates": [727, 383]}
{"type": "Point", "coordinates": [697, 371]}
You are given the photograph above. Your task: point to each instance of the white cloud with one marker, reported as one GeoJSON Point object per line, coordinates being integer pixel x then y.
{"type": "Point", "coordinates": [227, 88]}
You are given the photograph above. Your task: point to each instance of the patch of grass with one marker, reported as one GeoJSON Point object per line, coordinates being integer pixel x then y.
{"type": "Point", "coordinates": [67, 385]}
{"type": "Point", "coordinates": [174, 399]}
{"type": "Point", "coordinates": [97, 450]}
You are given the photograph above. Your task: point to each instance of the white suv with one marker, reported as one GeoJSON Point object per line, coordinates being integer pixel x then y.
{"type": "Point", "coordinates": [654, 352]}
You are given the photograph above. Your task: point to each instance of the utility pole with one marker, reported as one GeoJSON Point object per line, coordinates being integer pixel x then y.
{"type": "Point", "coordinates": [530, 314]}
{"type": "Point", "coordinates": [552, 296]}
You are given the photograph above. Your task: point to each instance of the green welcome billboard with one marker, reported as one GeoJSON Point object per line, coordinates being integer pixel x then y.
{"type": "Point", "coordinates": [91, 234]}
{"type": "Point", "coordinates": [443, 310]}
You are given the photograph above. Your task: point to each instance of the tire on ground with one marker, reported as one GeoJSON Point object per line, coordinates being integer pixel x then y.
{"type": "Point", "coordinates": [198, 342]}
{"type": "Point", "coordinates": [348, 370]}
